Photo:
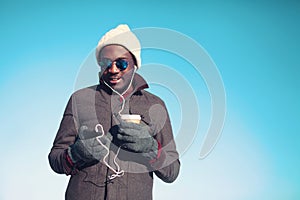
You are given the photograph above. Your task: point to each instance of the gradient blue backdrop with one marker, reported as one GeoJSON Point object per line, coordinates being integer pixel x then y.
{"type": "Point", "coordinates": [254, 44]}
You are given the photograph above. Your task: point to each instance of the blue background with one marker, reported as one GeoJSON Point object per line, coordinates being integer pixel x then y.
{"type": "Point", "coordinates": [255, 46]}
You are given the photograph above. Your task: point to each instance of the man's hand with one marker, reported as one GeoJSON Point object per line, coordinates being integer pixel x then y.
{"type": "Point", "coordinates": [87, 148]}
{"type": "Point", "coordinates": [137, 138]}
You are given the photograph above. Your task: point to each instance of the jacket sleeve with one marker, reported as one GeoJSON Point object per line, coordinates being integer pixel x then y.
{"type": "Point", "coordinates": [65, 136]}
{"type": "Point", "coordinates": [167, 164]}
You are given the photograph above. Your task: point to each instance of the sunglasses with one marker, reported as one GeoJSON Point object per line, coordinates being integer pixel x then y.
{"type": "Point", "coordinates": [121, 63]}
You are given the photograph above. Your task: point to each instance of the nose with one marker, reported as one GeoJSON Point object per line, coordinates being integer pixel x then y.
{"type": "Point", "coordinates": [113, 69]}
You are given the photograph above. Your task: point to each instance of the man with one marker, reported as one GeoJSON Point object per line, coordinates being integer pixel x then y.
{"type": "Point", "coordinates": [107, 157]}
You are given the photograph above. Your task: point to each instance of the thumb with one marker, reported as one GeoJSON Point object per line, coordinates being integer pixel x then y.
{"type": "Point", "coordinates": [81, 131]}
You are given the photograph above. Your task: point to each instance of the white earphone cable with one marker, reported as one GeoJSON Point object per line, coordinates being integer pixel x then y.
{"type": "Point", "coordinates": [121, 95]}
{"type": "Point", "coordinates": [118, 172]}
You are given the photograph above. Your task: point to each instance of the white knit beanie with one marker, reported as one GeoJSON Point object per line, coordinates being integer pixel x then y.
{"type": "Point", "coordinates": [121, 35]}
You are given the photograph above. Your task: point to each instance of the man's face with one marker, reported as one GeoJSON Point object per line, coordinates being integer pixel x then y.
{"type": "Point", "coordinates": [113, 59]}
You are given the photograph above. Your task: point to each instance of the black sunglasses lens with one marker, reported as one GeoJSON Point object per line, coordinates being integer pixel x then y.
{"type": "Point", "coordinates": [122, 64]}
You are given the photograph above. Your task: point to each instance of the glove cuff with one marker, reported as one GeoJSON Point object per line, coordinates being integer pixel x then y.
{"type": "Point", "coordinates": [68, 164]}
{"type": "Point", "coordinates": [69, 158]}
{"type": "Point", "coordinates": [158, 153]}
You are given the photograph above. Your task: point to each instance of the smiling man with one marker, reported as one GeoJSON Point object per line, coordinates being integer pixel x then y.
{"type": "Point", "coordinates": [107, 157]}
{"type": "Point", "coordinates": [118, 66]}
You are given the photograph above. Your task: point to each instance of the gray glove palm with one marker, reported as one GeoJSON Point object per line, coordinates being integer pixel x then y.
{"type": "Point", "coordinates": [87, 148]}
{"type": "Point", "coordinates": [137, 138]}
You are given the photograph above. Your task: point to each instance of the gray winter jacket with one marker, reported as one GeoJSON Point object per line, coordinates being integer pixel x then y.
{"type": "Point", "coordinates": [98, 104]}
